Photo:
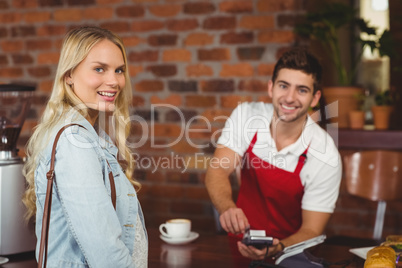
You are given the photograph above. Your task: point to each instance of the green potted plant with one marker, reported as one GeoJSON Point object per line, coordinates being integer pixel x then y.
{"type": "Point", "coordinates": [324, 26]}
{"type": "Point", "coordinates": [382, 109]}
{"type": "Point", "coordinates": [357, 117]}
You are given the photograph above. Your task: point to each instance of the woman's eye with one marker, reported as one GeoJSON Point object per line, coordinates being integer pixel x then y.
{"type": "Point", "coordinates": [99, 70]}
{"type": "Point", "coordinates": [119, 71]}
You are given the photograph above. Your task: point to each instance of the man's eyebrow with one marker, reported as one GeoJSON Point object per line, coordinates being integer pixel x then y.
{"type": "Point", "coordinates": [283, 81]}
{"type": "Point", "coordinates": [298, 86]}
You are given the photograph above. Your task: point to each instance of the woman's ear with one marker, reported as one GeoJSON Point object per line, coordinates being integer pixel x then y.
{"type": "Point", "coordinates": [68, 79]}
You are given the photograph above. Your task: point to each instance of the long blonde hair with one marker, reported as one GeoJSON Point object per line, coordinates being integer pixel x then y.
{"type": "Point", "coordinates": [76, 46]}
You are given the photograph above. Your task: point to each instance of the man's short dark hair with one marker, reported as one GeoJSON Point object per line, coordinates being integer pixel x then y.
{"type": "Point", "coordinates": [302, 60]}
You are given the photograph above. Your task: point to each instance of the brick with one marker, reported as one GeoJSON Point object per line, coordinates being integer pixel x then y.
{"type": "Point", "coordinates": [184, 147]}
{"type": "Point", "coordinates": [275, 6]}
{"type": "Point", "coordinates": [216, 54]}
{"type": "Point", "coordinates": [130, 11]}
{"type": "Point", "coordinates": [141, 56]}
{"type": "Point", "coordinates": [175, 116]}
{"type": "Point", "coordinates": [200, 101]}
{"type": "Point", "coordinates": [240, 70]}
{"type": "Point", "coordinates": [3, 60]}
{"type": "Point", "coordinates": [257, 22]}
{"type": "Point", "coordinates": [24, 4]}
{"type": "Point", "coordinates": [147, 25]}
{"type": "Point", "coordinates": [32, 17]}
{"type": "Point", "coordinates": [265, 99]}
{"type": "Point", "coordinates": [196, 8]}
{"type": "Point", "coordinates": [48, 57]}
{"type": "Point", "coordinates": [4, 5]}
{"type": "Point", "coordinates": [12, 46]}
{"type": "Point", "coordinates": [217, 85]}
{"type": "Point", "coordinates": [11, 72]}
{"type": "Point", "coordinates": [51, 3]}
{"type": "Point", "coordinates": [22, 59]}
{"type": "Point", "coordinates": [138, 101]}
{"type": "Point", "coordinates": [68, 14]}
{"type": "Point", "coordinates": [35, 44]}
{"type": "Point", "coordinates": [162, 40]}
{"type": "Point", "coordinates": [51, 30]}
{"type": "Point", "coordinates": [199, 39]}
{"type": "Point", "coordinates": [165, 10]}
{"type": "Point", "coordinates": [45, 86]}
{"type": "Point", "coordinates": [176, 55]}
{"type": "Point", "coordinates": [237, 38]}
{"type": "Point", "coordinates": [180, 177]}
{"type": "Point", "coordinates": [98, 13]}
{"type": "Point", "coordinates": [149, 86]}
{"type": "Point", "coordinates": [276, 37]}
{"type": "Point", "coordinates": [265, 69]}
{"type": "Point", "coordinates": [3, 32]}
{"type": "Point", "coordinates": [147, 114]}
{"type": "Point", "coordinates": [199, 70]}
{"type": "Point", "coordinates": [182, 25]}
{"type": "Point", "coordinates": [135, 70]}
{"type": "Point", "coordinates": [23, 31]}
{"type": "Point", "coordinates": [41, 71]}
{"type": "Point", "coordinates": [167, 130]}
{"type": "Point", "coordinates": [216, 115]}
{"type": "Point", "coordinates": [144, 1]}
{"type": "Point", "coordinates": [132, 41]}
{"type": "Point", "coordinates": [108, 2]}
{"type": "Point", "coordinates": [163, 70]}
{"type": "Point", "coordinates": [236, 6]}
{"type": "Point", "coordinates": [80, 2]}
{"type": "Point", "coordinates": [232, 101]}
{"type": "Point", "coordinates": [182, 86]}
{"type": "Point", "coordinates": [116, 26]}
{"type": "Point", "coordinates": [253, 86]}
{"type": "Point", "coordinates": [173, 99]}
{"type": "Point", "coordinates": [219, 23]}
{"type": "Point", "coordinates": [288, 20]}
{"type": "Point", "coordinates": [10, 18]}
{"type": "Point", "coordinates": [250, 53]}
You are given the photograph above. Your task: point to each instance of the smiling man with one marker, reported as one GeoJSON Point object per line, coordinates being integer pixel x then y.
{"type": "Point", "coordinates": [290, 167]}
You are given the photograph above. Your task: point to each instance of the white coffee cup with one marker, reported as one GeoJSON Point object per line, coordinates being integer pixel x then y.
{"type": "Point", "coordinates": [176, 228]}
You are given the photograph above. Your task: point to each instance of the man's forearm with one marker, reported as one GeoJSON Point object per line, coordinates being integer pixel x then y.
{"type": "Point", "coordinates": [219, 189]}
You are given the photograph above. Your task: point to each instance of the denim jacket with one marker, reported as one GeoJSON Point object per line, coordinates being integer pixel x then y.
{"type": "Point", "coordinates": [85, 230]}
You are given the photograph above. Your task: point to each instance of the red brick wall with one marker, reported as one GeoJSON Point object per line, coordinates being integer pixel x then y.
{"type": "Point", "coordinates": [191, 63]}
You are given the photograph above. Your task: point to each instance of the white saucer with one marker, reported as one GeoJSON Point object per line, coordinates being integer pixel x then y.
{"type": "Point", "coordinates": [3, 260]}
{"type": "Point", "coordinates": [180, 241]}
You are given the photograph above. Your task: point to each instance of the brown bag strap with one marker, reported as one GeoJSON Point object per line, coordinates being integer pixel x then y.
{"type": "Point", "coordinates": [48, 201]}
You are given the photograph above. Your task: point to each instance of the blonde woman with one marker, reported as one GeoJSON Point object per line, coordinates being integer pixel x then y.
{"type": "Point", "coordinates": [91, 85]}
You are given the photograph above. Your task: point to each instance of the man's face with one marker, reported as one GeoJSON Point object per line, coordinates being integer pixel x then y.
{"type": "Point", "coordinates": [292, 95]}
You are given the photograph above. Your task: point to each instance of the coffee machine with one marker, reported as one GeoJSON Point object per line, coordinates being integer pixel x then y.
{"type": "Point", "coordinates": [16, 236]}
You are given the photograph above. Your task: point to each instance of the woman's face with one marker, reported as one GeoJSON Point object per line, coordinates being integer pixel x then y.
{"type": "Point", "coordinates": [99, 78]}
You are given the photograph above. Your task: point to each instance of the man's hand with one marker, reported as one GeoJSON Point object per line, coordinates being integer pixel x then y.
{"type": "Point", "coordinates": [233, 220]}
{"type": "Point", "coordinates": [258, 254]}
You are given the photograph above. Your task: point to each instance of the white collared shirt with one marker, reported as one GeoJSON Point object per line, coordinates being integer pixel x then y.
{"type": "Point", "coordinates": [321, 174]}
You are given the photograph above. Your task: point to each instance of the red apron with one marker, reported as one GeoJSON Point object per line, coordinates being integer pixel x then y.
{"type": "Point", "coordinates": [269, 196]}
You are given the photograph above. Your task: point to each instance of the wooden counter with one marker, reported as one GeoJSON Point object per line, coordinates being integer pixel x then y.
{"type": "Point", "coordinates": [367, 139]}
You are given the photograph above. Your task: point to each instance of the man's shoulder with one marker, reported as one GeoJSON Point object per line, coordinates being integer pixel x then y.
{"type": "Point", "coordinates": [251, 108]}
